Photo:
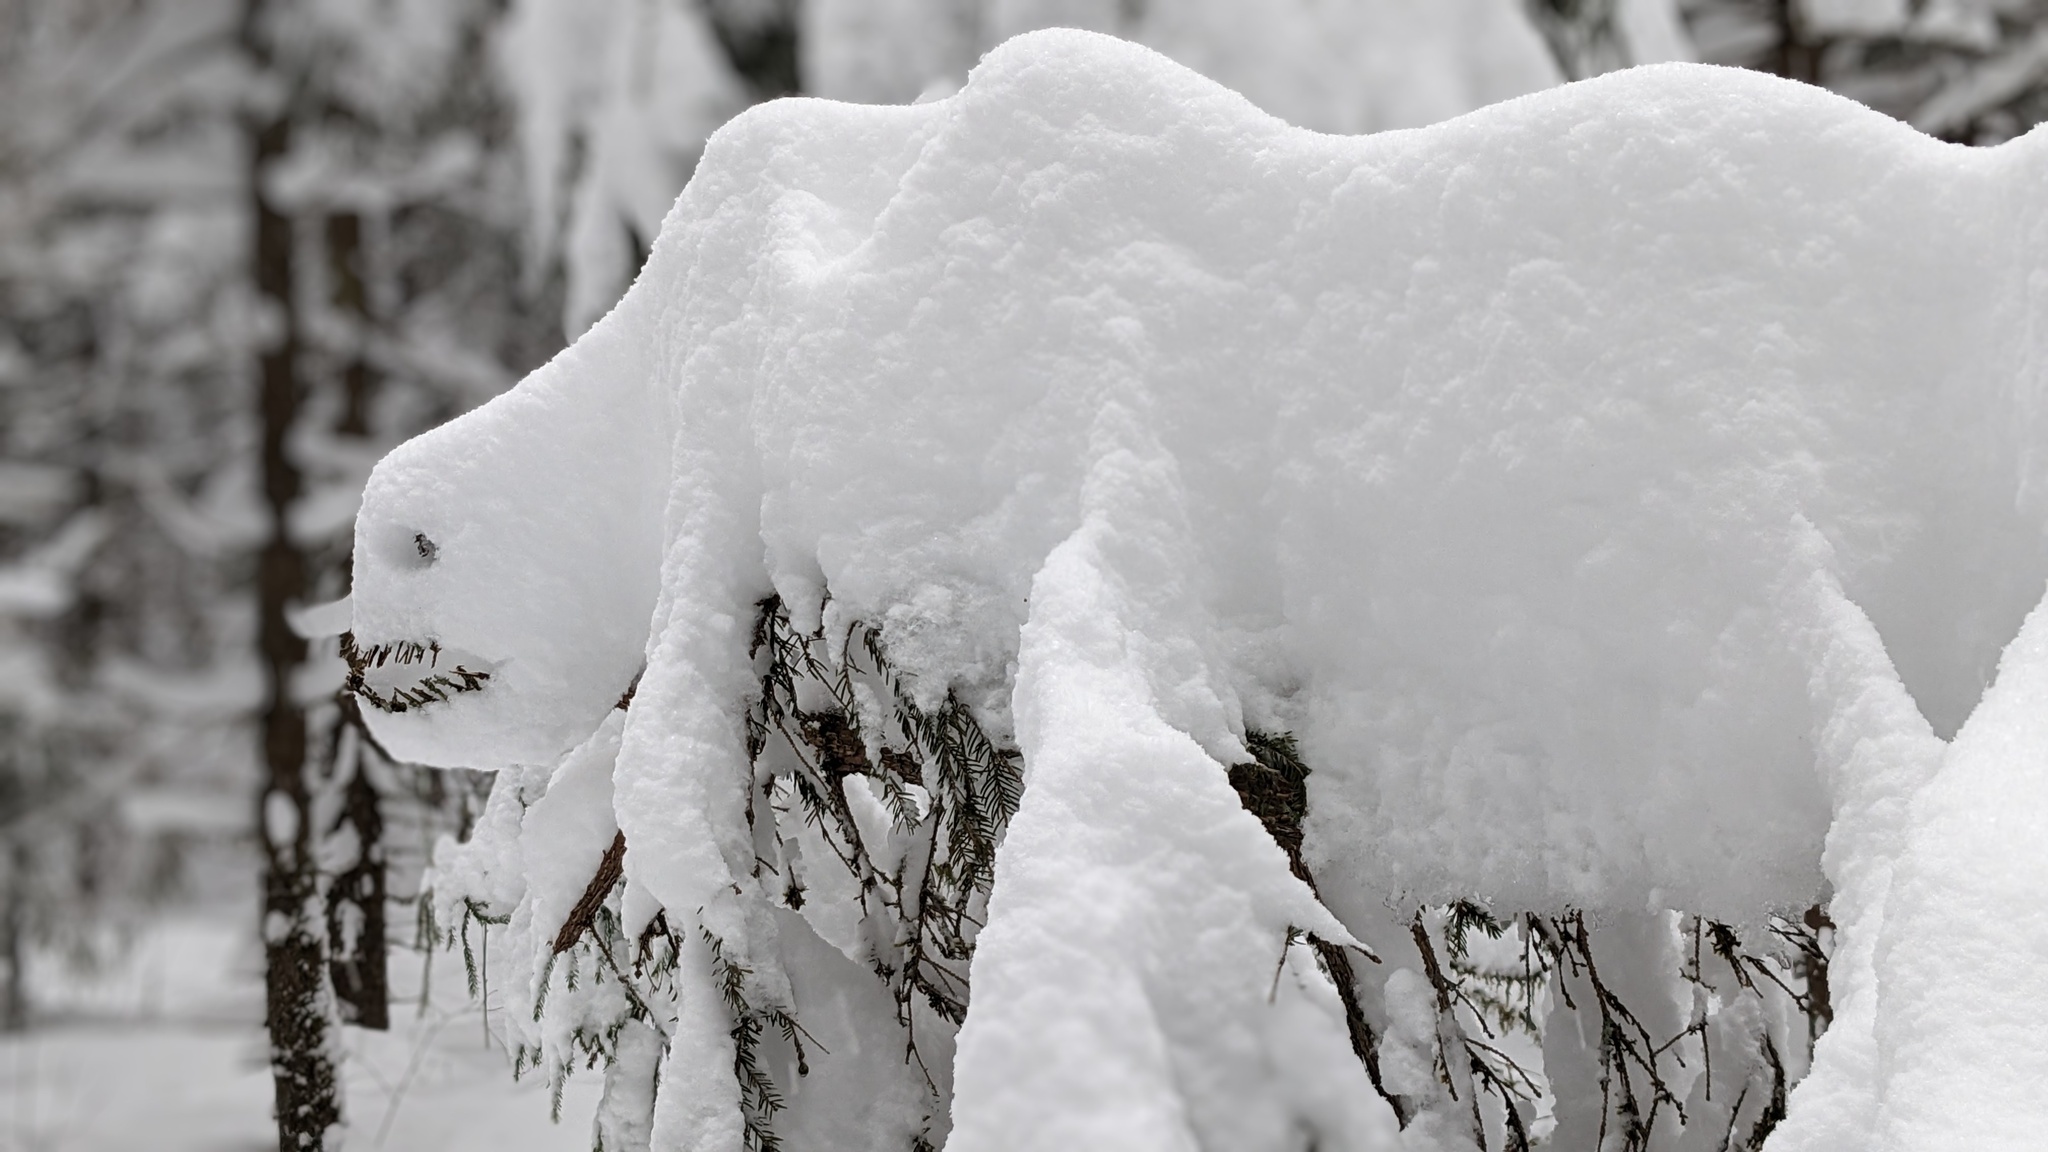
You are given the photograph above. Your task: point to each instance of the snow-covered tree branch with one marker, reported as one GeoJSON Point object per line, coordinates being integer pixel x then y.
{"type": "Point", "coordinates": [1607, 508]}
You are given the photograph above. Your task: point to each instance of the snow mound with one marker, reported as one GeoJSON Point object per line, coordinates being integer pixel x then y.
{"type": "Point", "coordinates": [1619, 492]}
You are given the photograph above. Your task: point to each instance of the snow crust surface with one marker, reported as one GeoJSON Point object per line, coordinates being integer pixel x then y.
{"type": "Point", "coordinates": [1620, 492]}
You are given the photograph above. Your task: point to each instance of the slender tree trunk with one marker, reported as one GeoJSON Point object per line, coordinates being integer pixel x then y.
{"type": "Point", "coordinates": [1794, 56]}
{"type": "Point", "coordinates": [299, 1010]}
{"type": "Point", "coordinates": [356, 927]}
{"type": "Point", "coordinates": [347, 271]}
{"type": "Point", "coordinates": [14, 940]}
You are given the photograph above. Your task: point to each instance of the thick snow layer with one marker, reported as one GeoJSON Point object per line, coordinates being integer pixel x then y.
{"type": "Point", "coordinates": [1619, 492]}
{"type": "Point", "coordinates": [1130, 848]}
{"type": "Point", "coordinates": [1965, 933]}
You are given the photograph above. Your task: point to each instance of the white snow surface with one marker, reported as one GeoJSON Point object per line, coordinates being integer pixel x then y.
{"type": "Point", "coordinates": [1621, 492]}
{"type": "Point", "coordinates": [165, 1050]}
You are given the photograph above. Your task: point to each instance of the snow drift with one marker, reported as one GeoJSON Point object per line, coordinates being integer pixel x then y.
{"type": "Point", "coordinates": [1620, 492]}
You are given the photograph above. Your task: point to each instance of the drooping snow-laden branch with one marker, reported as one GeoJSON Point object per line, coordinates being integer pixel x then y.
{"type": "Point", "coordinates": [810, 738]}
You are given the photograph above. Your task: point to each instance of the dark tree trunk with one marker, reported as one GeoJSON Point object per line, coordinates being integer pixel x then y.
{"type": "Point", "coordinates": [14, 940]}
{"type": "Point", "coordinates": [347, 265]}
{"type": "Point", "coordinates": [1793, 56]}
{"type": "Point", "coordinates": [355, 897]}
{"type": "Point", "coordinates": [760, 41]}
{"type": "Point", "coordinates": [299, 1010]}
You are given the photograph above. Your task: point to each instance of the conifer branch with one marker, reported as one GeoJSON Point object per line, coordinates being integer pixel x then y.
{"type": "Point", "coordinates": [610, 867]}
{"type": "Point", "coordinates": [948, 788]}
{"type": "Point", "coordinates": [1274, 788]}
{"type": "Point", "coordinates": [437, 686]}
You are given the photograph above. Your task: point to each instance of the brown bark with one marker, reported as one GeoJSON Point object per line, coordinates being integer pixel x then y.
{"type": "Point", "coordinates": [345, 258]}
{"type": "Point", "coordinates": [1813, 965]}
{"type": "Point", "coordinates": [610, 867]}
{"type": "Point", "coordinates": [1274, 788]}
{"type": "Point", "coordinates": [356, 928]}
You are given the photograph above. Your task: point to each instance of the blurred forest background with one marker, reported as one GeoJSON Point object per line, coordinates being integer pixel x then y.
{"type": "Point", "coordinates": [247, 246]}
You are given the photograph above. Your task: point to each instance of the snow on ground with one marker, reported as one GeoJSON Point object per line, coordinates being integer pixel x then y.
{"type": "Point", "coordinates": [166, 1052]}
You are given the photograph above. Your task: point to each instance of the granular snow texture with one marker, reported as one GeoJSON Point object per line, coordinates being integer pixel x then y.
{"type": "Point", "coordinates": [1620, 492]}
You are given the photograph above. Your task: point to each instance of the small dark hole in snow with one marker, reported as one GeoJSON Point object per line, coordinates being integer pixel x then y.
{"type": "Point", "coordinates": [427, 548]}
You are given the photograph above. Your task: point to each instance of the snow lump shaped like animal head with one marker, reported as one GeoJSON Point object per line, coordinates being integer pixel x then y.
{"type": "Point", "coordinates": [506, 565]}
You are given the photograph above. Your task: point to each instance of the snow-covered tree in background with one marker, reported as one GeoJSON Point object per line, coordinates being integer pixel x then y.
{"type": "Point", "coordinates": [123, 467]}
{"type": "Point", "coordinates": [1358, 66]}
{"type": "Point", "coordinates": [243, 250]}
{"type": "Point", "coordinates": [382, 212]}
{"type": "Point", "coordinates": [615, 101]}
{"type": "Point", "coordinates": [1974, 71]}
{"type": "Point", "coordinates": [617, 98]}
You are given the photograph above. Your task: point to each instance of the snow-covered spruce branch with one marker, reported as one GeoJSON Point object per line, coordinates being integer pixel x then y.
{"type": "Point", "coordinates": [760, 1099]}
{"type": "Point", "coordinates": [1627, 1048]}
{"type": "Point", "coordinates": [1477, 1004]}
{"type": "Point", "coordinates": [1644, 1077]}
{"type": "Point", "coordinates": [832, 715]}
{"type": "Point", "coordinates": [1461, 1057]}
{"type": "Point", "coordinates": [1721, 942]}
{"type": "Point", "coordinates": [949, 791]}
{"type": "Point", "coordinates": [826, 719]}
